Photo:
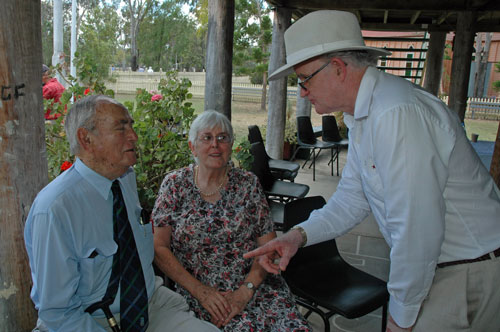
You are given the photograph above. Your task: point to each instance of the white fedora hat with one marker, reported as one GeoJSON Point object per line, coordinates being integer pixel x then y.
{"type": "Point", "coordinates": [321, 32]}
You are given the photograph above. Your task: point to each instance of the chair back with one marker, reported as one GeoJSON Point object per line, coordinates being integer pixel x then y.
{"type": "Point", "coordinates": [254, 134]}
{"type": "Point", "coordinates": [305, 132]}
{"type": "Point", "coordinates": [330, 129]}
{"type": "Point", "coordinates": [260, 165]}
{"type": "Point", "coordinates": [296, 212]}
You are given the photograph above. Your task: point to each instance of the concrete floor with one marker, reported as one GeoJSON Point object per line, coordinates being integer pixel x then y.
{"type": "Point", "coordinates": [362, 247]}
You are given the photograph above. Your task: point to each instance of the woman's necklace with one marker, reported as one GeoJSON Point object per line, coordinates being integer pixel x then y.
{"type": "Point", "coordinates": [212, 192]}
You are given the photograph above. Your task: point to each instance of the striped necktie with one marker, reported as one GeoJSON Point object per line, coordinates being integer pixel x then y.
{"type": "Point", "coordinates": [133, 292]}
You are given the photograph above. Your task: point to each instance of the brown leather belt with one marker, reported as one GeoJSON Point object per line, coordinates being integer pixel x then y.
{"type": "Point", "coordinates": [484, 257]}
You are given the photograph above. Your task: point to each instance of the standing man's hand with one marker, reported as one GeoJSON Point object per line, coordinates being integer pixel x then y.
{"type": "Point", "coordinates": [393, 327]}
{"type": "Point", "coordinates": [276, 254]}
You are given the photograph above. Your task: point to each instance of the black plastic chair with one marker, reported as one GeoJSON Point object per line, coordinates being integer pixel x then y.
{"type": "Point", "coordinates": [275, 189]}
{"type": "Point", "coordinates": [307, 140]}
{"type": "Point", "coordinates": [281, 169]}
{"type": "Point", "coordinates": [331, 134]}
{"type": "Point", "coordinates": [323, 282]}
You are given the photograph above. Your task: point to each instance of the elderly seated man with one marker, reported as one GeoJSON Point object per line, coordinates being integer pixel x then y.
{"type": "Point", "coordinates": [89, 250]}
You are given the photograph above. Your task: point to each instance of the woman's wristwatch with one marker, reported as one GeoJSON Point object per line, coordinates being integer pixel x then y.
{"type": "Point", "coordinates": [249, 285]}
{"type": "Point", "coordinates": [302, 233]}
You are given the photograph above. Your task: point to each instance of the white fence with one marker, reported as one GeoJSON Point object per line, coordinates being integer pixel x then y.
{"type": "Point", "coordinates": [128, 82]}
{"type": "Point", "coordinates": [242, 90]}
{"type": "Point", "coordinates": [481, 108]}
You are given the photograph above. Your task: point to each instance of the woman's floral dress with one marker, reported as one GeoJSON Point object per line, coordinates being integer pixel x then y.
{"type": "Point", "coordinates": [210, 239]}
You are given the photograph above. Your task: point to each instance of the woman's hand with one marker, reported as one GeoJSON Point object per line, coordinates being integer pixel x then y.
{"type": "Point", "coordinates": [238, 301]}
{"type": "Point", "coordinates": [214, 302]}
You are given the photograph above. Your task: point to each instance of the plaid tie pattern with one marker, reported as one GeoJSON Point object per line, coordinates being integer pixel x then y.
{"type": "Point", "coordinates": [127, 270]}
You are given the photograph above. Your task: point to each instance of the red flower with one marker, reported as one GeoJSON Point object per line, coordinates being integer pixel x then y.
{"type": "Point", "coordinates": [156, 97]}
{"type": "Point", "coordinates": [87, 91]}
{"type": "Point", "coordinates": [65, 165]}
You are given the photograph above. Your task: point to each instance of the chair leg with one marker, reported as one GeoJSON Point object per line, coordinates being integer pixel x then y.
{"type": "Point", "coordinates": [311, 307]}
{"type": "Point", "coordinates": [295, 153]}
{"type": "Point", "coordinates": [308, 157]}
{"type": "Point", "coordinates": [338, 155]}
{"type": "Point", "coordinates": [384, 317]}
{"type": "Point", "coordinates": [314, 164]}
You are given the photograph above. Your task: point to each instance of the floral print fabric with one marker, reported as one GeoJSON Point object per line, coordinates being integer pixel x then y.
{"type": "Point", "coordinates": [210, 239]}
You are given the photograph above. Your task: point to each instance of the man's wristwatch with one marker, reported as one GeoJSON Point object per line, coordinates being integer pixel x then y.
{"type": "Point", "coordinates": [302, 233]}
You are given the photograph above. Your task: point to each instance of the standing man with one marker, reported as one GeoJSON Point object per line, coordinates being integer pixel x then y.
{"type": "Point", "coordinates": [409, 163]}
{"type": "Point", "coordinates": [88, 247]}
{"type": "Point", "coordinates": [51, 90]}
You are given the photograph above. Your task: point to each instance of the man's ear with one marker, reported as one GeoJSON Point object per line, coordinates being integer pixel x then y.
{"type": "Point", "coordinates": [84, 138]}
{"type": "Point", "coordinates": [340, 67]}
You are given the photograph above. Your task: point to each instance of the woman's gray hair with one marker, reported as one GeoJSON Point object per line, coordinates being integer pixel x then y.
{"type": "Point", "coordinates": [358, 59]}
{"type": "Point", "coordinates": [208, 120]}
{"type": "Point", "coordinates": [82, 115]}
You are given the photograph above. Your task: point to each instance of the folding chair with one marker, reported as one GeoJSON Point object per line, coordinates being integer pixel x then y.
{"type": "Point", "coordinates": [307, 140]}
{"type": "Point", "coordinates": [274, 189]}
{"type": "Point", "coordinates": [282, 169]}
{"type": "Point", "coordinates": [331, 134]}
{"type": "Point", "coordinates": [323, 282]}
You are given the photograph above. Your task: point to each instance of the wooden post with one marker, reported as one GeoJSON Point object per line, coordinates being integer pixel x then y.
{"type": "Point", "coordinates": [460, 67]}
{"type": "Point", "coordinates": [277, 89]}
{"type": "Point", "coordinates": [434, 66]}
{"type": "Point", "coordinates": [219, 66]}
{"type": "Point", "coordinates": [23, 165]}
{"type": "Point", "coordinates": [495, 160]}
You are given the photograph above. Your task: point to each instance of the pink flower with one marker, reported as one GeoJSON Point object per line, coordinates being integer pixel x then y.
{"type": "Point", "coordinates": [156, 97]}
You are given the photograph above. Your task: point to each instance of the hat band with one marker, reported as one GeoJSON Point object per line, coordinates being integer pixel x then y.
{"type": "Point", "coordinates": [309, 52]}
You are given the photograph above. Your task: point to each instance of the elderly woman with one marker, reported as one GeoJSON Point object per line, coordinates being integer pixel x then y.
{"type": "Point", "coordinates": [206, 216]}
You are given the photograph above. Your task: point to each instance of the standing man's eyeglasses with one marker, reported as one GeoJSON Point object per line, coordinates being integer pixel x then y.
{"type": "Point", "coordinates": [302, 83]}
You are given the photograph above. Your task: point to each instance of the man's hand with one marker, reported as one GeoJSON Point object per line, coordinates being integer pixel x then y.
{"type": "Point", "coordinates": [276, 254]}
{"type": "Point", "coordinates": [393, 327]}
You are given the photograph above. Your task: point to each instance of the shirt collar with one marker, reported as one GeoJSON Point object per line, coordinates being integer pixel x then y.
{"type": "Point", "coordinates": [99, 182]}
{"type": "Point", "coordinates": [365, 93]}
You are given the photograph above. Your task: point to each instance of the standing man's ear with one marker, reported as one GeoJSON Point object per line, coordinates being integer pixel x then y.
{"type": "Point", "coordinates": [340, 67]}
{"type": "Point", "coordinates": [84, 138]}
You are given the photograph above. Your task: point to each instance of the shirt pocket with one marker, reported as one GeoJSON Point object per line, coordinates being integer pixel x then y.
{"type": "Point", "coordinates": [371, 180]}
{"type": "Point", "coordinates": [95, 266]}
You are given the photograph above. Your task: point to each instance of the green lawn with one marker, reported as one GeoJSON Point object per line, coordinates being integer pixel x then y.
{"type": "Point", "coordinates": [246, 113]}
{"type": "Point", "coordinates": [486, 129]}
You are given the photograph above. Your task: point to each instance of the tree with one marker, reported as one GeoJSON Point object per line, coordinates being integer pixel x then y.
{"type": "Point", "coordinates": [135, 11]}
{"type": "Point", "coordinates": [168, 39]}
{"type": "Point", "coordinates": [252, 38]}
{"type": "Point", "coordinates": [99, 39]}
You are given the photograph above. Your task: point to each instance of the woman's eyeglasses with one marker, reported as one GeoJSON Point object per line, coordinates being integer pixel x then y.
{"type": "Point", "coordinates": [221, 138]}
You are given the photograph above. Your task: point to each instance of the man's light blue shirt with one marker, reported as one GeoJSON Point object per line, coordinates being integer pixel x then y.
{"type": "Point", "coordinates": [70, 222]}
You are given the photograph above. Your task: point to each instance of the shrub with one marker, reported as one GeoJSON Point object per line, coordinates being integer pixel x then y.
{"type": "Point", "coordinates": [242, 154]}
{"type": "Point", "coordinates": [162, 120]}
